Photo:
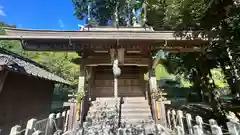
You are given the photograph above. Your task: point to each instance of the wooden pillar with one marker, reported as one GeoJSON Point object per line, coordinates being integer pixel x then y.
{"type": "Point", "coordinates": [81, 80]}
{"type": "Point", "coordinates": [152, 85]}
{"type": "Point", "coordinates": [88, 81]}
{"type": "Point", "coordinates": [82, 87]}
{"type": "Point", "coordinates": [91, 83]}
{"type": "Point", "coordinates": [142, 82]}
{"type": "Point", "coordinates": [152, 78]}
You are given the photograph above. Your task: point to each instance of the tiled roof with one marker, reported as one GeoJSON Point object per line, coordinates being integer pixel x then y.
{"type": "Point", "coordinates": [17, 63]}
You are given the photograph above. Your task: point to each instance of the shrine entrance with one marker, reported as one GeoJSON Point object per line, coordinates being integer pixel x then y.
{"type": "Point", "coordinates": [129, 83]}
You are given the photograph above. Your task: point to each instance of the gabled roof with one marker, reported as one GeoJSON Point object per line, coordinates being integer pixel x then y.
{"type": "Point", "coordinates": [109, 28]}
{"type": "Point", "coordinates": [101, 33]}
{"type": "Point", "coordinates": [98, 38]}
{"type": "Point", "coordinates": [17, 63]}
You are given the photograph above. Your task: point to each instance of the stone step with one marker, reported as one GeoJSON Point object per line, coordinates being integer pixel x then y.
{"type": "Point", "coordinates": [137, 121]}
{"type": "Point", "coordinates": [143, 106]}
{"type": "Point", "coordinates": [136, 110]}
{"type": "Point", "coordinates": [146, 113]}
{"type": "Point", "coordinates": [103, 105]}
{"type": "Point", "coordinates": [135, 102]}
{"type": "Point", "coordinates": [134, 98]}
{"type": "Point", "coordinates": [103, 102]}
{"type": "Point", "coordinates": [136, 116]}
{"type": "Point", "coordinates": [107, 99]}
{"type": "Point", "coordinates": [98, 108]}
{"type": "Point", "coordinates": [107, 108]}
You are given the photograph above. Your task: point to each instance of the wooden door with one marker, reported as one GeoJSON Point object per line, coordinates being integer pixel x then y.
{"type": "Point", "coordinates": [128, 83]}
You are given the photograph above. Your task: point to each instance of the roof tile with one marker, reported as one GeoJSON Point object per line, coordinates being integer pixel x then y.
{"type": "Point", "coordinates": [23, 65]}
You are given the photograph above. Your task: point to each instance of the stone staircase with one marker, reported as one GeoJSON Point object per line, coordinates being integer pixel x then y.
{"type": "Point", "coordinates": [135, 110]}
{"type": "Point", "coordinates": [109, 105]}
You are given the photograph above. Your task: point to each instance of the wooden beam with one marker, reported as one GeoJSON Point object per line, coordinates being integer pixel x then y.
{"type": "Point", "coordinates": [92, 53]}
{"type": "Point", "coordinates": [107, 61]}
{"type": "Point", "coordinates": [103, 45]}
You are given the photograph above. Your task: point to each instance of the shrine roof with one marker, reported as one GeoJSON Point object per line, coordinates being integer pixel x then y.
{"type": "Point", "coordinates": [100, 33]}
{"type": "Point", "coordinates": [127, 29]}
{"type": "Point", "coordinates": [96, 38]}
{"type": "Point", "coordinates": [19, 64]}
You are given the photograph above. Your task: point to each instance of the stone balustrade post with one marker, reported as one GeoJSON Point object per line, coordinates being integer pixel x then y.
{"type": "Point", "coordinates": [50, 124]}
{"type": "Point", "coordinates": [189, 123]}
{"type": "Point", "coordinates": [233, 128]}
{"type": "Point", "coordinates": [30, 126]}
{"type": "Point", "coordinates": [15, 130]}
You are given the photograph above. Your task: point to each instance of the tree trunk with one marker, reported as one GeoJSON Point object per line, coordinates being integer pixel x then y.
{"type": "Point", "coordinates": [203, 72]}
{"type": "Point", "coordinates": [197, 84]}
{"type": "Point", "coordinates": [228, 77]}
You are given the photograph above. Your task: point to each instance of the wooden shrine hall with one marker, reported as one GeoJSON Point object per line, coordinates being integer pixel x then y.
{"type": "Point", "coordinates": [98, 47]}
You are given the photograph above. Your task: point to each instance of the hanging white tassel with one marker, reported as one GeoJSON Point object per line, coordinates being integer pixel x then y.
{"type": "Point", "coordinates": [116, 69]}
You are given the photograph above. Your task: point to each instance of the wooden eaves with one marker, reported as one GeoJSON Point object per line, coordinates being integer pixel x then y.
{"type": "Point", "coordinates": [52, 40]}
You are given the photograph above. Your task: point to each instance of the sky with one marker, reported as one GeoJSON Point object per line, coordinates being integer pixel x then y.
{"type": "Point", "coordinates": [39, 14]}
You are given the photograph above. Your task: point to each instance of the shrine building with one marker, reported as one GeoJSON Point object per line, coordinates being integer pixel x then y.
{"type": "Point", "coordinates": [99, 47]}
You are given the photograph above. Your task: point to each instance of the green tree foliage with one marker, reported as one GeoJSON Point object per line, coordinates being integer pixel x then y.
{"type": "Point", "coordinates": [175, 14]}
{"type": "Point", "coordinates": [201, 16]}
{"type": "Point", "coordinates": [102, 11]}
{"type": "Point", "coordinates": [218, 20]}
{"type": "Point", "coordinates": [2, 25]}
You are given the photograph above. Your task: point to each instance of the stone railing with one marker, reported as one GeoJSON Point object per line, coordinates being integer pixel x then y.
{"type": "Point", "coordinates": [183, 123]}
{"type": "Point", "coordinates": [54, 124]}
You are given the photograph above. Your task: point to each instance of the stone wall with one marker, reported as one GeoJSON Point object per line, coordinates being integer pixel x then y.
{"type": "Point", "coordinates": [22, 98]}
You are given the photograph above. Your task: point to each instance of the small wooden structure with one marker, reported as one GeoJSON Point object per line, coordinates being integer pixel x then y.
{"type": "Point", "coordinates": [26, 89]}
{"type": "Point", "coordinates": [134, 47]}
